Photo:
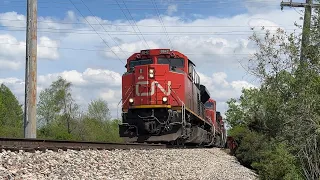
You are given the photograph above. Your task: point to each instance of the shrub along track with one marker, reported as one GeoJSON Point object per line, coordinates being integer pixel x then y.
{"type": "Point", "coordinates": [32, 145]}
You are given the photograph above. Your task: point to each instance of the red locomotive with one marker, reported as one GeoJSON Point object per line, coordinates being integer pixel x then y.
{"type": "Point", "coordinates": [164, 102]}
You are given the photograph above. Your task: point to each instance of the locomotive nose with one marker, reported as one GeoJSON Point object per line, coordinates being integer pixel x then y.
{"type": "Point", "coordinates": [144, 73]}
{"type": "Point", "coordinates": [151, 85]}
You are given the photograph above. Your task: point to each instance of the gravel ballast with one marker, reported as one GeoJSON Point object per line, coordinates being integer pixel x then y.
{"type": "Point", "coordinates": [123, 164]}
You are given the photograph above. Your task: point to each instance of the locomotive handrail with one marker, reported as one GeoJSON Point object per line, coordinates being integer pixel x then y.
{"type": "Point", "coordinates": [176, 95]}
{"type": "Point", "coordinates": [183, 108]}
{"type": "Point", "coordinates": [128, 95]}
{"type": "Point", "coordinates": [123, 102]}
{"type": "Point", "coordinates": [183, 114]}
{"type": "Point", "coordinates": [118, 108]}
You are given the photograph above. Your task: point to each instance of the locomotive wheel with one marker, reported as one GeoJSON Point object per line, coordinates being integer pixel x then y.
{"type": "Point", "coordinates": [179, 143]}
{"type": "Point", "coordinates": [218, 141]}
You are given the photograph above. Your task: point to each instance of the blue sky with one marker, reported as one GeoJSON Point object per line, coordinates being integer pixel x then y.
{"type": "Point", "coordinates": [213, 33]}
{"type": "Point", "coordinates": [109, 9]}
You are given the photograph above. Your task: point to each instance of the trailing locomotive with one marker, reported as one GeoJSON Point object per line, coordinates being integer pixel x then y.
{"type": "Point", "coordinates": [164, 102]}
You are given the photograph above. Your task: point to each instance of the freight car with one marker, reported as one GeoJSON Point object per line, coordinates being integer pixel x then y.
{"type": "Point", "coordinates": [163, 101]}
{"type": "Point", "coordinates": [231, 144]}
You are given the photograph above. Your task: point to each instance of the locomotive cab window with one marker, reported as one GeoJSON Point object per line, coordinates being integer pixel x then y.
{"type": "Point", "coordinates": [173, 62]}
{"type": "Point", "coordinates": [190, 69]}
{"type": "Point", "coordinates": [209, 105]}
{"type": "Point", "coordinates": [134, 63]}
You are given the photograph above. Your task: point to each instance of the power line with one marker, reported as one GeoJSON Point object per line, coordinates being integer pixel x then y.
{"type": "Point", "coordinates": [141, 8]}
{"type": "Point", "coordinates": [134, 22]}
{"type": "Point", "coordinates": [103, 27]}
{"type": "Point", "coordinates": [103, 50]}
{"type": "Point", "coordinates": [135, 1]}
{"type": "Point", "coordinates": [147, 25]}
{"type": "Point", "coordinates": [139, 3]}
{"type": "Point", "coordinates": [132, 25]}
{"type": "Point", "coordinates": [308, 5]}
{"type": "Point", "coordinates": [88, 30]}
{"type": "Point", "coordinates": [160, 19]}
{"type": "Point", "coordinates": [96, 32]}
{"type": "Point", "coordinates": [147, 33]}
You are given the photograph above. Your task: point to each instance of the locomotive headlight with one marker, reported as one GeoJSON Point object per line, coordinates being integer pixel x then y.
{"type": "Point", "coordinates": [131, 100]}
{"type": "Point", "coordinates": [151, 73]}
{"type": "Point", "coordinates": [164, 99]}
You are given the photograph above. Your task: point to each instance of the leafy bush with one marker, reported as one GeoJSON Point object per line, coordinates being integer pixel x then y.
{"type": "Point", "coordinates": [250, 145]}
{"type": "Point", "coordinates": [11, 114]}
{"type": "Point", "coordinates": [278, 163]}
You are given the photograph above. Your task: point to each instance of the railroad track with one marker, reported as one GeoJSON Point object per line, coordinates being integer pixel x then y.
{"type": "Point", "coordinates": [32, 145]}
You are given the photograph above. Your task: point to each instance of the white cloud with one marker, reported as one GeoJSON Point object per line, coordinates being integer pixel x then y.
{"type": "Point", "coordinates": [172, 9]}
{"type": "Point", "coordinates": [211, 41]}
{"type": "Point", "coordinates": [7, 64]}
{"type": "Point", "coordinates": [220, 40]}
{"type": "Point", "coordinates": [12, 19]}
{"type": "Point", "coordinates": [108, 95]}
{"type": "Point", "coordinates": [113, 98]}
{"type": "Point", "coordinates": [10, 47]}
{"type": "Point", "coordinates": [16, 86]}
{"type": "Point", "coordinates": [12, 51]}
{"type": "Point", "coordinates": [103, 76]}
{"type": "Point", "coordinates": [48, 48]}
{"type": "Point", "coordinates": [203, 38]}
{"type": "Point", "coordinates": [90, 78]}
{"type": "Point", "coordinates": [129, 47]}
{"type": "Point", "coordinates": [260, 6]}
{"type": "Point", "coordinates": [238, 85]}
{"type": "Point", "coordinates": [11, 81]}
{"type": "Point", "coordinates": [222, 90]}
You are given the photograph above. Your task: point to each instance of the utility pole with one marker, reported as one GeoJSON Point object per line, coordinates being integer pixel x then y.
{"type": "Point", "coordinates": [30, 110]}
{"type": "Point", "coordinates": [306, 22]}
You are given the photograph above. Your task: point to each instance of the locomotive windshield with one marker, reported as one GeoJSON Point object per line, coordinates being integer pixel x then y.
{"type": "Point", "coordinates": [140, 62]}
{"type": "Point", "coordinates": [208, 105]}
{"type": "Point", "coordinates": [177, 62]}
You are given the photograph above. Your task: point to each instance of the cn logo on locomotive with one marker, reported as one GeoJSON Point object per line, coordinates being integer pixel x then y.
{"type": "Point", "coordinates": [152, 89]}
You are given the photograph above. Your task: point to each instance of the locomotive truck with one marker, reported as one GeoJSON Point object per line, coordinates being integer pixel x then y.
{"type": "Point", "coordinates": [163, 101]}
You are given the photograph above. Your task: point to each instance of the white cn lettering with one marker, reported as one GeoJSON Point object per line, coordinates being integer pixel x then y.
{"type": "Point", "coordinates": [152, 89]}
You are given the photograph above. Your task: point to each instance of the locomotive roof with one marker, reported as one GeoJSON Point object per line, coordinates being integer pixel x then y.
{"type": "Point", "coordinates": [191, 62]}
{"type": "Point", "coordinates": [134, 54]}
{"type": "Point", "coordinates": [211, 100]}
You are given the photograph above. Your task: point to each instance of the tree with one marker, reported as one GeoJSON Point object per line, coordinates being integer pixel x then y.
{"type": "Point", "coordinates": [46, 107]}
{"type": "Point", "coordinates": [285, 110]}
{"type": "Point", "coordinates": [97, 125]}
{"type": "Point", "coordinates": [99, 110]}
{"type": "Point", "coordinates": [11, 114]}
{"type": "Point", "coordinates": [58, 109]}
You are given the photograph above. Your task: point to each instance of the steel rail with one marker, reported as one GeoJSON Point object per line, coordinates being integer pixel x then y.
{"type": "Point", "coordinates": [31, 145]}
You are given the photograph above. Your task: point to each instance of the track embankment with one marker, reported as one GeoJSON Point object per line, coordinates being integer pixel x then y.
{"type": "Point", "coordinates": [137, 163]}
